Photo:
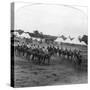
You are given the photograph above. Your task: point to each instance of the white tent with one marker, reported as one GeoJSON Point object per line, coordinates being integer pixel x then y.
{"type": "Point", "coordinates": [76, 41]}
{"type": "Point", "coordinates": [67, 41]}
{"type": "Point", "coordinates": [83, 43]}
{"type": "Point", "coordinates": [17, 34]}
{"type": "Point", "coordinates": [26, 35]}
{"type": "Point", "coordinates": [59, 40]}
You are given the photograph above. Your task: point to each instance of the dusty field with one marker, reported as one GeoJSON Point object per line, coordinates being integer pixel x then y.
{"type": "Point", "coordinates": [59, 72]}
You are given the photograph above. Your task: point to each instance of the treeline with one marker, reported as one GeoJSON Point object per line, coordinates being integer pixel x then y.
{"type": "Point", "coordinates": [36, 34]}
{"type": "Point", "coordinates": [84, 38]}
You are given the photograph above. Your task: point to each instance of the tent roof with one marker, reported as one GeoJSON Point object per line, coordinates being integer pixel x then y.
{"type": "Point", "coordinates": [26, 35]}
{"type": "Point", "coordinates": [59, 40]}
{"type": "Point", "coordinates": [74, 41]}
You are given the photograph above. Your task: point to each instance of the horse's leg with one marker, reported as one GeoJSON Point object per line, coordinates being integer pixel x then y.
{"type": "Point", "coordinates": [75, 62]}
{"type": "Point", "coordinates": [42, 60]}
{"type": "Point", "coordinates": [19, 53]}
{"type": "Point", "coordinates": [22, 53]}
{"type": "Point", "coordinates": [73, 58]}
{"type": "Point", "coordinates": [28, 56]}
{"type": "Point", "coordinates": [36, 59]}
{"type": "Point", "coordinates": [25, 54]}
{"type": "Point", "coordinates": [16, 52]}
{"type": "Point", "coordinates": [48, 60]}
{"type": "Point", "coordinates": [33, 58]}
{"type": "Point", "coordinates": [65, 55]}
{"type": "Point", "coordinates": [59, 54]}
{"type": "Point", "coordinates": [69, 57]}
{"type": "Point", "coordinates": [45, 60]}
{"type": "Point", "coordinates": [80, 63]}
{"type": "Point", "coordinates": [39, 59]}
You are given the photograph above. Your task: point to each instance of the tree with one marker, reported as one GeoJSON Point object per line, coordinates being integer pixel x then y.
{"type": "Point", "coordinates": [20, 31]}
{"type": "Point", "coordinates": [41, 33]}
{"type": "Point", "coordinates": [84, 38]}
{"type": "Point", "coordinates": [63, 37]}
{"type": "Point", "coordinates": [36, 32]}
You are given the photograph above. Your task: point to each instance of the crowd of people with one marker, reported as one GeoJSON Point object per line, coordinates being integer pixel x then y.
{"type": "Point", "coordinates": [39, 54]}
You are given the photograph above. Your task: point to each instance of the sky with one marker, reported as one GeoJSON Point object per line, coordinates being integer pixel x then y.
{"type": "Point", "coordinates": [51, 19]}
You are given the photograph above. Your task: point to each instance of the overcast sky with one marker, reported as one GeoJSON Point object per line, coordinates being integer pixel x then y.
{"type": "Point", "coordinates": [51, 19]}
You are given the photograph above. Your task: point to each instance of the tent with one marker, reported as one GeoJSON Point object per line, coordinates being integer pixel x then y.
{"type": "Point", "coordinates": [17, 34]}
{"type": "Point", "coordinates": [67, 41]}
{"type": "Point", "coordinates": [59, 40]}
{"type": "Point", "coordinates": [76, 41]}
{"type": "Point", "coordinates": [26, 35]}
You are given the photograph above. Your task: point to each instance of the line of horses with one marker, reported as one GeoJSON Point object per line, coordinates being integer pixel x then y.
{"type": "Point", "coordinates": [42, 55]}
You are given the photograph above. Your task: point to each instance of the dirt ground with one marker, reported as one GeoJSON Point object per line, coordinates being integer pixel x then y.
{"type": "Point", "coordinates": [59, 72]}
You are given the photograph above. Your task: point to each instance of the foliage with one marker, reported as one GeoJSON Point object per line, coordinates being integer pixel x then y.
{"type": "Point", "coordinates": [84, 38]}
